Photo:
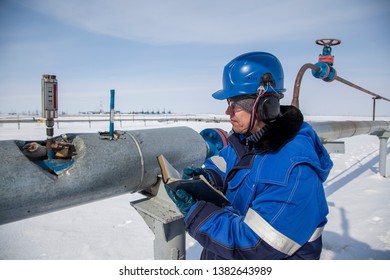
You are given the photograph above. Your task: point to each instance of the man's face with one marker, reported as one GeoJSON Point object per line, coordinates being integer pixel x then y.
{"type": "Point", "coordinates": [239, 118]}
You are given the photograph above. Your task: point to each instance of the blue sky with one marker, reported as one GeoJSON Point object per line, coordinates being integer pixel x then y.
{"type": "Point", "coordinates": [170, 54]}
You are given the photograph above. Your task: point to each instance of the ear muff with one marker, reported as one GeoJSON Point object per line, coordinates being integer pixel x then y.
{"type": "Point", "coordinates": [268, 108]}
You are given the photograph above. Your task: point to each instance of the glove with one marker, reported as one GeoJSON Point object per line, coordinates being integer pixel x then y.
{"type": "Point", "coordinates": [182, 199]}
{"type": "Point", "coordinates": [191, 172]}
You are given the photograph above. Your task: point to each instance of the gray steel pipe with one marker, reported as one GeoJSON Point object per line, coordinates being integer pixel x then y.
{"type": "Point", "coordinates": [332, 130]}
{"type": "Point", "coordinates": [102, 169]}
{"type": "Point", "coordinates": [105, 168]}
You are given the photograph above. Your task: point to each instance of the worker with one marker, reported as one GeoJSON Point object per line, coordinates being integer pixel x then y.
{"type": "Point", "coordinates": [273, 171]}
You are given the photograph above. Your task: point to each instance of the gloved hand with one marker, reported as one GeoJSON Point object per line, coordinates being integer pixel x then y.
{"type": "Point", "coordinates": [182, 199]}
{"type": "Point", "coordinates": [192, 171]}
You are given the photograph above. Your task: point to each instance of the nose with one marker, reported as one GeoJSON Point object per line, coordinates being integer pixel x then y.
{"type": "Point", "coordinates": [229, 111]}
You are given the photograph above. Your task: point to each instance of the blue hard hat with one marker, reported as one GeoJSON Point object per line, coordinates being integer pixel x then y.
{"type": "Point", "coordinates": [244, 74]}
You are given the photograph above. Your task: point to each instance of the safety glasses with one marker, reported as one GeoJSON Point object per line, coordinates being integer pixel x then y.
{"type": "Point", "coordinates": [234, 106]}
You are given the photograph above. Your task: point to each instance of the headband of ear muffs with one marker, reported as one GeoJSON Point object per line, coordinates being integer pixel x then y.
{"type": "Point", "coordinates": [268, 106]}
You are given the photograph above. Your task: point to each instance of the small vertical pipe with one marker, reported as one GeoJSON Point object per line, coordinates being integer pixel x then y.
{"type": "Point", "coordinates": [373, 108]}
{"type": "Point", "coordinates": [49, 135]}
{"type": "Point", "coordinates": [112, 112]}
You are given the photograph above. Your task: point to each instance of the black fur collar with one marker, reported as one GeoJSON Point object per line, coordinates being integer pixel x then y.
{"type": "Point", "coordinates": [282, 130]}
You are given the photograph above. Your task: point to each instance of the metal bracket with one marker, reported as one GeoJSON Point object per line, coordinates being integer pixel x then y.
{"type": "Point", "coordinates": [382, 134]}
{"type": "Point", "coordinates": [166, 222]}
{"type": "Point", "coordinates": [335, 147]}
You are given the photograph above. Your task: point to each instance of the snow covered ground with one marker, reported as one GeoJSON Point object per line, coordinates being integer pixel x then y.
{"type": "Point", "coordinates": [358, 198]}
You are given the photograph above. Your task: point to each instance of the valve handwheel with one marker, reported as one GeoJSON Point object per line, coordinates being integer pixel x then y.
{"type": "Point", "coordinates": [328, 42]}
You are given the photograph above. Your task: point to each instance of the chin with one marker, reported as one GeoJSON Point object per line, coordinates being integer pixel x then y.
{"type": "Point", "coordinates": [239, 131]}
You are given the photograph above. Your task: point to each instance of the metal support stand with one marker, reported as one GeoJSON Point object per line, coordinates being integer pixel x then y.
{"type": "Point", "coordinates": [166, 222]}
{"type": "Point", "coordinates": [383, 138]}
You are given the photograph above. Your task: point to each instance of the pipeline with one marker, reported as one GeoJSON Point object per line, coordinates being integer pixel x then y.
{"type": "Point", "coordinates": [298, 80]}
{"type": "Point", "coordinates": [324, 70]}
{"type": "Point", "coordinates": [301, 72]}
{"type": "Point", "coordinates": [102, 168]}
{"type": "Point", "coordinates": [106, 168]}
{"type": "Point", "coordinates": [334, 130]}
{"type": "Point", "coordinates": [376, 96]}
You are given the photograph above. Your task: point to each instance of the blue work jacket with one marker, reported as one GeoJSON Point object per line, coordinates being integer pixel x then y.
{"type": "Point", "coordinates": [277, 205]}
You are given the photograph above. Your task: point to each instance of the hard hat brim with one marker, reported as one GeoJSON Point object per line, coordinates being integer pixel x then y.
{"type": "Point", "coordinates": [225, 94]}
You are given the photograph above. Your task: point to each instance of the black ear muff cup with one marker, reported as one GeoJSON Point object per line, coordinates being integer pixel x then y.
{"type": "Point", "coordinates": [268, 107]}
